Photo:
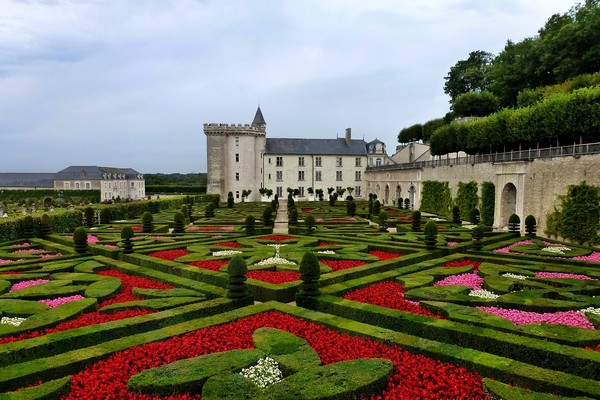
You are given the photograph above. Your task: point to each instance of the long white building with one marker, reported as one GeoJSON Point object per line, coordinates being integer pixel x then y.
{"type": "Point", "coordinates": [241, 157]}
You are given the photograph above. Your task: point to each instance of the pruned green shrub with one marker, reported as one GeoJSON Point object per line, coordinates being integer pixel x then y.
{"type": "Point", "coordinates": [126, 235]}
{"type": "Point", "coordinates": [178, 223]}
{"type": "Point", "coordinates": [530, 225]}
{"type": "Point", "coordinates": [249, 225]}
{"type": "Point", "coordinates": [376, 207]}
{"type": "Point", "coordinates": [310, 223]}
{"type": "Point", "coordinates": [28, 227]}
{"type": "Point", "coordinates": [105, 215]}
{"type": "Point", "coordinates": [477, 235]}
{"type": "Point", "coordinates": [267, 216]}
{"type": "Point", "coordinates": [236, 271]}
{"type": "Point", "coordinates": [416, 221]}
{"type": "Point", "coordinates": [456, 218]}
{"type": "Point", "coordinates": [209, 211]}
{"type": "Point", "coordinates": [351, 208]}
{"type": "Point", "coordinates": [514, 223]}
{"type": "Point", "coordinates": [230, 200]}
{"type": "Point", "coordinates": [474, 216]}
{"type": "Point", "coordinates": [407, 203]}
{"type": "Point", "coordinates": [147, 222]}
{"type": "Point", "coordinates": [88, 215]}
{"type": "Point", "coordinates": [80, 240]}
{"type": "Point", "coordinates": [310, 271]}
{"type": "Point", "coordinates": [430, 230]}
{"type": "Point", "coordinates": [293, 220]}
{"type": "Point", "coordinates": [45, 226]}
{"type": "Point", "coordinates": [383, 221]}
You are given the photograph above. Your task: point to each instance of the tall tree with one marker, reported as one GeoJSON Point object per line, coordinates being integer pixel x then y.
{"type": "Point", "coordinates": [470, 75]}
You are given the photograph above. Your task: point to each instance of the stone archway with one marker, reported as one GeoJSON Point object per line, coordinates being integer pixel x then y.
{"type": "Point", "coordinates": [411, 196]}
{"type": "Point", "coordinates": [509, 202]}
{"type": "Point", "coordinates": [377, 191]}
{"type": "Point", "coordinates": [387, 194]}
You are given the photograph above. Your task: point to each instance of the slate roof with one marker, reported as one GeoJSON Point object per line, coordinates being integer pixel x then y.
{"type": "Point", "coordinates": [375, 141]}
{"type": "Point", "coordinates": [258, 118]}
{"type": "Point", "coordinates": [316, 146]}
{"type": "Point", "coordinates": [27, 180]}
{"type": "Point", "coordinates": [93, 172]}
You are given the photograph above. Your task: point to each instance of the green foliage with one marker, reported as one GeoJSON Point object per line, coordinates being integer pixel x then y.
{"type": "Point", "coordinates": [431, 126]}
{"type": "Point", "coordinates": [383, 221]}
{"type": "Point", "coordinates": [126, 235]}
{"type": "Point", "coordinates": [466, 198]}
{"type": "Point", "coordinates": [190, 180]}
{"type": "Point", "coordinates": [80, 240]}
{"type": "Point", "coordinates": [530, 225]}
{"type": "Point", "coordinates": [230, 200]}
{"type": "Point", "coordinates": [416, 221]}
{"type": "Point", "coordinates": [105, 215]}
{"type": "Point", "coordinates": [474, 216]}
{"type": "Point", "coordinates": [28, 227]}
{"type": "Point", "coordinates": [127, 232]}
{"type": "Point", "coordinates": [88, 215]}
{"type": "Point", "coordinates": [488, 203]}
{"type": "Point", "coordinates": [249, 225]}
{"type": "Point", "coordinates": [430, 230]}
{"type": "Point", "coordinates": [553, 223]}
{"type": "Point", "coordinates": [477, 235]}
{"type": "Point", "coordinates": [470, 75]}
{"type": "Point", "coordinates": [411, 134]}
{"type": "Point", "coordinates": [267, 216]}
{"type": "Point", "coordinates": [376, 207]}
{"type": "Point", "coordinates": [178, 223]}
{"type": "Point", "coordinates": [580, 213]}
{"type": "Point", "coordinates": [293, 216]}
{"type": "Point", "coordinates": [407, 203]}
{"type": "Point", "coordinates": [147, 222]}
{"type": "Point", "coordinates": [290, 201]}
{"type": "Point", "coordinates": [57, 198]}
{"type": "Point", "coordinates": [310, 223]}
{"type": "Point", "coordinates": [562, 118]}
{"type": "Point", "coordinates": [436, 198]}
{"type": "Point", "coordinates": [456, 218]}
{"type": "Point", "coordinates": [310, 271]}
{"type": "Point", "coordinates": [514, 223]}
{"type": "Point", "coordinates": [331, 200]}
{"type": "Point", "coordinates": [209, 210]}
{"type": "Point", "coordinates": [45, 226]}
{"type": "Point", "coordinates": [475, 104]}
{"type": "Point", "coordinates": [236, 270]}
{"type": "Point", "coordinates": [184, 210]}
{"type": "Point", "coordinates": [351, 208]}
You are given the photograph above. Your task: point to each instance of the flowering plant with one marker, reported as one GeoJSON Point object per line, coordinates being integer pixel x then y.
{"type": "Point", "coordinates": [265, 373]}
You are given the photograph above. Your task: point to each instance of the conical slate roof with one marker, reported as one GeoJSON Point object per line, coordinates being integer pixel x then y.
{"type": "Point", "coordinates": [258, 118]}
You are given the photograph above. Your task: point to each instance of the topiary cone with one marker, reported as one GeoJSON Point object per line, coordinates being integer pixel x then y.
{"type": "Point", "coordinates": [310, 271]}
{"type": "Point", "coordinates": [236, 270]}
{"type": "Point", "coordinates": [80, 240]}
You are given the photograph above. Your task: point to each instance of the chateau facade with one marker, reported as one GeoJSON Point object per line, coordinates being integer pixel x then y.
{"type": "Point", "coordinates": [124, 183]}
{"type": "Point", "coordinates": [241, 157]}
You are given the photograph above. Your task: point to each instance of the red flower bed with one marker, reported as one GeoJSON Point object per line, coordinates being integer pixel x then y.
{"type": "Point", "coordinates": [212, 265]}
{"type": "Point", "coordinates": [323, 244]}
{"type": "Point", "coordinates": [137, 228]}
{"type": "Point", "coordinates": [384, 255]}
{"type": "Point", "coordinates": [234, 245]}
{"type": "Point", "coordinates": [277, 238]}
{"type": "Point", "coordinates": [274, 276]}
{"type": "Point", "coordinates": [338, 265]}
{"type": "Point", "coordinates": [11, 272]}
{"type": "Point", "coordinates": [128, 282]}
{"type": "Point", "coordinates": [463, 263]}
{"type": "Point", "coordinates": [388, 294]}
{"type": "Point", "coordinates": [414, 376]}
{"type": "Point", "coordinates": [307, 209]}
{"type": "Point", "coordinates": [83, 320]}
{"type": "Point", "coordinates": [169, 255]}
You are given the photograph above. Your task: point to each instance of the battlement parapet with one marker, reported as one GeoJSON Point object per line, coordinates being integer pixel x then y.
{"type": "Point", "coordinates": [228, 129]}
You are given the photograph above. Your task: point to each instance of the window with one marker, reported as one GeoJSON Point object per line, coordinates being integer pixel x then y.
{"type": "Point", "coordinates": [237, 194]}
{"type": "Point", "coordinates": [279, 161]}
{"type": "Point", "coordinates": [68, 185]}
{"type": "Point", "coordinates": [237, 141]}
{"type": "Point", "coordinates": [76, 185]}
{"type": "Point", "coordinates": [301, 189]}
{"type": "Point", "coordinates": [338, 161]}
{"type": "Point", "coordinates": [370, 162]}
{"type": "Point", "coordinates": [88, 185]}
{"type": "Point", "coordinates": [338, 175]}
{"type": "Point", "coordinates": [357, 162]}
{"type": "Point", "coordinates": [357, 191]}
{"type": "Point", "coordinates": [357, 175]}
{"type": "Point", "coordinates": [269, 176]}
{"type": "Point", "coordinates": [133, 184]}
{"type": "Point", "coordinates": [301, 161]}
{"type": "Point", "coordinates": [279, 191]}
{"type": "Point", "coordinates": [269, 160]}
{"type": "Point", "coordinates": [300, 175]}
{"type": "Point", "coordinates": [317, 161]}
{"type": "Point", "coordinates": [378, 162]}
{"type": "Point", "coordinates": [237, 157]}
{"type": "Point", "coordinates": [237, 176]}
{"type": "Point", "coordinates": [317, 175]}
{"type": "Point", "coordinates": [279, 176]}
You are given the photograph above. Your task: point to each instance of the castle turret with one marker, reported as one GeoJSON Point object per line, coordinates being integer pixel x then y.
{"type": "Point", "coordinates": [234, 156]}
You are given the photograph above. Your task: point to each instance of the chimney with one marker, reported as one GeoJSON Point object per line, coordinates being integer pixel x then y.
{"type": "Point", "coordinates": [348, 136]}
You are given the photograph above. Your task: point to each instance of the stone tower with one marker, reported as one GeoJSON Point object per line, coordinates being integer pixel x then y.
{"type": "Point", "coordinates": [234, 157]}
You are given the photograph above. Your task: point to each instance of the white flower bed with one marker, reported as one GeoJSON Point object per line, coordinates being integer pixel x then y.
{"type": "Point", "coordinates": [484, 294]}
{"type": "Point", "coordinates": [265, 373]}
{"type": "Point", "coordinates": [592, 310]}
{"type": "Point", "coordinates": [556, 249]}
{"type": "Point", "coordinates": [326, 252]}
{"type": "Point", "coordinates": [225, 253]}
{"type": "Point", "coordinates": [16, 321]}
{"type": "Point", "coordinates": [514, 276]}
{"type": "Point", "coordinates": [275, 260]}
{"type": "Point", "coordinates": [468, 226]}
{"type": "Point", "coordinates": [437, 219]}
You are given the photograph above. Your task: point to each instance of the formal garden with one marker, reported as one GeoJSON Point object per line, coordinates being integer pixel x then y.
{"type": "Point", "coordinates": [189, 298]}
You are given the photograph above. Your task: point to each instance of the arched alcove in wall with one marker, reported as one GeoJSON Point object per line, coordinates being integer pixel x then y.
{"type": "Point", "coordinates": [509, 202]}
{"type": "Point", "coordinates": [387, 194]}
{"type": "Point", "coordinates": [411, 196]}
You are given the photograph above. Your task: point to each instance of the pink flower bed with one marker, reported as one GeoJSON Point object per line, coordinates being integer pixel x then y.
{"type": "Point", "coordinates": [519, 317]}
{"type": "Point", "coordinates": [26, 284]}
{"type": "Point", "coordinates": [2, 261]}
{"type": "Point", "coordinates": [507, 248]}
{"type": "Point", "coordinates": [28, 251]}
{"type": "Point", "coordinates": [452, 244]}
{"type": "Point", "coordinates": [594, 257]}
{"type": "Point", "coordinates": [562, 275]}
{"type": "Point", "coordinates": [472, 280]}
{"type": "Point", "coordinates": [50, 255]}
{"type": "Point", "coordinates": [61, 300]}
{"type": "Point", "coordinates": [24, 244]}
{"type": "Point", "coordinates": [90, 239]}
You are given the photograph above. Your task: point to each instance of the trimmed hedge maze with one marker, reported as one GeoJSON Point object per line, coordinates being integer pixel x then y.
{"type": "Point", "coordinates": [395, 318]}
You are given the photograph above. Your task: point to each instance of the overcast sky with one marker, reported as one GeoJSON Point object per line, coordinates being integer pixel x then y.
{"type": "Point", "coordinates": [122, 83]}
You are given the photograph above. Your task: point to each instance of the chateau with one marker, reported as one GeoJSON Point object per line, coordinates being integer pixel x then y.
{"type": "Point", "coordinates": [241, 157]}
{"type": "Point", "coordinates": [124, 183]}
